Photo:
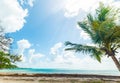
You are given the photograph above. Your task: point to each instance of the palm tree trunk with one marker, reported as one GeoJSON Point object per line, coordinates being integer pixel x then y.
{"type": "Point", "coordinates": [116, 61]}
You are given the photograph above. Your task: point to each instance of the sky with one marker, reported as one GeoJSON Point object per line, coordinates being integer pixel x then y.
{"type": "Point", "coordinates": [41, 27]}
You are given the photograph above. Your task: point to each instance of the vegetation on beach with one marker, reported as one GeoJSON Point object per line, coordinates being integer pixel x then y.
{"type": "Point", "coordinates": [7, 60]}
{"type": "Point", "coordinates": [104, 30]}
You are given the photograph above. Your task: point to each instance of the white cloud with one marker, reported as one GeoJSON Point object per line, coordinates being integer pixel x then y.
{"type": "Point", "coordinates": [73, 7]}
{"type": "Point", "coordinates": [28, 2]}
{"type": "Point", "coordinates": [12, 15]}
{"type": "Point", "coordinates": [66, 59]}
{"type": "Point", "coordinates": [61, 56]}
{"type": "Point", "coordinates": [55, 48]}
{"type": "Point", "coordinates": [22, 46]}
{"type": "Point", "coordinates": [34, 55]}
{"type": "Point", "coordinates": [29, 56]}
{"type": "Point", "coordinates": [83, 35]}
{"type": "Point", "coordinates": [21, 2]}
{"type": "Point", "coordinates": [69, 59]}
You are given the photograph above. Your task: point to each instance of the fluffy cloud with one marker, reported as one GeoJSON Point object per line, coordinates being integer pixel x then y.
{"type": "Point", "coordinates": [28, 2]}
{"type": "Point", "coordinates": [34, 55]}
{"type": "Point", "coordinates": [83, 35]}
{"type": "Point", "coordinates": [61, 56]}
{"type": "Point", "coordinates": [21, 2]}
{"type": "Point", "coordinates": [22, 46]}
{"type": "Point", "coordinates": [66, 59]}
{"type": "Point", "coordinates": [69, 59]}
{"type": "Point", "coordinates": [74, 7]}
{"type": "Point", "coordinates": [55, 48]}
{"type": "Point", "coordinates": [29, 56]}
{"type": "Point", "coordinates": [12, 15]}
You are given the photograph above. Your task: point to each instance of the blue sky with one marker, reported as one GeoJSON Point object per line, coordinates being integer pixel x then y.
{"type": "Point", "coordinates": [40, 28]}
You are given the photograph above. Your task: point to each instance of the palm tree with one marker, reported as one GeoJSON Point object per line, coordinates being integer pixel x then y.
{"type": "Point", "coordinates": [104, 33]}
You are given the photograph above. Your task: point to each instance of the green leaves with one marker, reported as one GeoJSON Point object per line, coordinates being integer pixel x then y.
{"type": "Point", "coordinates": [102, 12]}
{"type": "Point", "coordinates": [94, 51]}
{"type": "Point", "coordinates": [7, 60]}
{"type": "Point", "coordinates": [103, 31]}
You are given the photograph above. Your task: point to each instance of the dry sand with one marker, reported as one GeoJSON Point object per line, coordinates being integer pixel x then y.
{"type": "Point", "coordinates": [57, 78]}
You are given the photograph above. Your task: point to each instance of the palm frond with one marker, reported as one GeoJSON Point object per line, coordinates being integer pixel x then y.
{"type": "Point", "coordinates": [102, 12]}
{"type": "Point", "coordinates": [94, 51]}
{"type": "Point", "coordinates": [90, 18]}
{"type": "Point", "coordinates": [86, 28]}
{"type": "Point", "coordinates": [103, 31]}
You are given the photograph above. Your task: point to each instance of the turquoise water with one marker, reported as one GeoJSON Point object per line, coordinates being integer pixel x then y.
{"type": "Point", "coordinates": [62, 71]}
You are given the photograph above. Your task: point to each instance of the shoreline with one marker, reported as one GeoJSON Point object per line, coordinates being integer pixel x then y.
{"type": "Point", "coordinates": [57, 78]}
{"type": "Point", "coordinates": [57, 75]}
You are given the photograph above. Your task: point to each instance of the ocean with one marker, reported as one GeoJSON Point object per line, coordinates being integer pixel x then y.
{"type": "Point", "coordinates": [62, 71]}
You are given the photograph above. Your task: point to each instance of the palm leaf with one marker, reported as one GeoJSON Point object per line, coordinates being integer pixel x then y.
{"type": "Point", "coordinates": [103, 31]}
{"type": "Point", "coordinates": [86, 29]}
{"type": "Point", "coordinates": [102, 12]}
{"type": "Point", "coordinates": [94, 51]}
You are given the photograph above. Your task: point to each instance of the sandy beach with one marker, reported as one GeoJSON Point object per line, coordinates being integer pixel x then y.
{"type": "Point", "coordinates": [57, 78]}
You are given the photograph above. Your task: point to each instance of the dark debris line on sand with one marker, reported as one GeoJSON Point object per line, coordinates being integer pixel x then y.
{"type": "Point", "coordinates": [61, 75]}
